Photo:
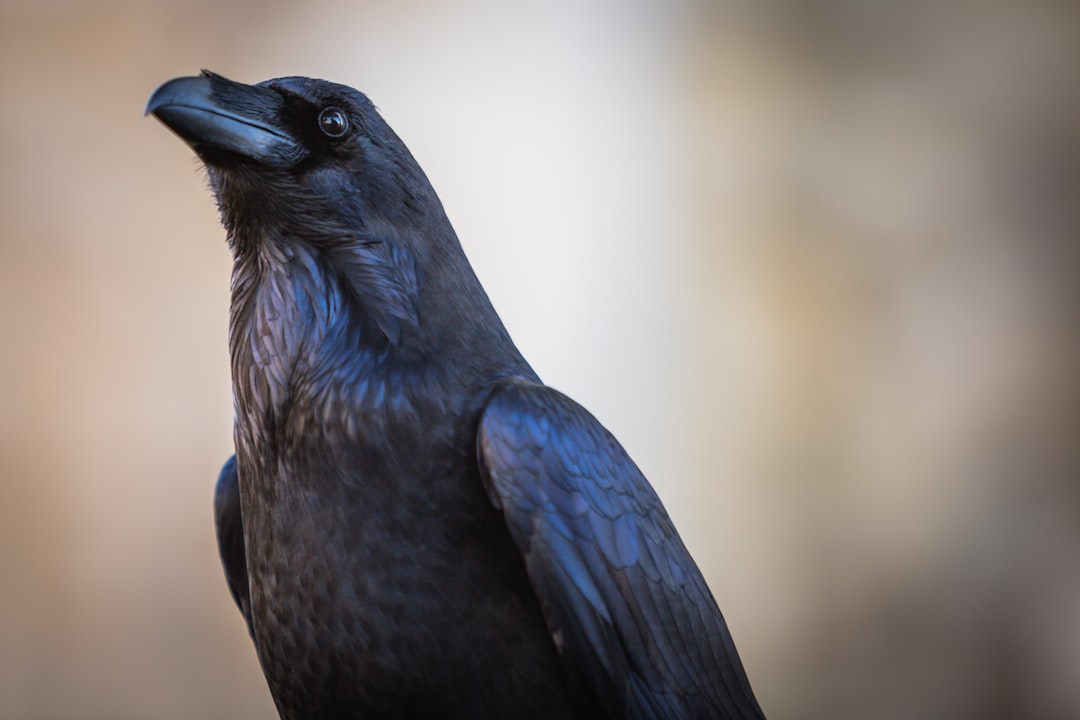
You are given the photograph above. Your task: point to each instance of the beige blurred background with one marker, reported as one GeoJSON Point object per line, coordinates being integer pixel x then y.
{"type": "Point", "coordinates": [815, 263]}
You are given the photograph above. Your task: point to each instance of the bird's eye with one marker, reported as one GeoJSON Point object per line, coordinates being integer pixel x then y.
{"type": "Point", "coordinates": [333, 122]}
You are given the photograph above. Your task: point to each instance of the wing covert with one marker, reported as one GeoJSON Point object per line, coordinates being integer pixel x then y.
{"type": "Point", "coordinates": [626, 605]}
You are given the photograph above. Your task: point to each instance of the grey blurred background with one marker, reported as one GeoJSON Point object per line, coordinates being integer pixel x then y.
{"type": "Point", "coordinates": [814, 263]}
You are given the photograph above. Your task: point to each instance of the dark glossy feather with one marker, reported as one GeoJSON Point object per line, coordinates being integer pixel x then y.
{"type": "Point", "coordinates": [626, 604]}
{"type": "Point", "coordinates": [230, 537]}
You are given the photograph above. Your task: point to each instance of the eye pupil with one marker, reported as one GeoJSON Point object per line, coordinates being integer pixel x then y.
{"type": "Point", "coordinates": [333, 122]}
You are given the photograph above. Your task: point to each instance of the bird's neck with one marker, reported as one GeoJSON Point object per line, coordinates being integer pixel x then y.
{"type": "Point", "coordinates": [290, 326]}
{"type": "Point", "coordinates": [308, 352]}
{"type": "Point", "coordinates": [324, 336]}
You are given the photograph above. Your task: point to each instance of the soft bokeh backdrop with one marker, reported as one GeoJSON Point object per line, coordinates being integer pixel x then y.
{"type": "Point", "coordinates": [815, 264]}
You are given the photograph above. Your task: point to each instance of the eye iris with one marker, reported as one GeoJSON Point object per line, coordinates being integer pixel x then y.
{"type": "Point", "coordinates": [333, 122]}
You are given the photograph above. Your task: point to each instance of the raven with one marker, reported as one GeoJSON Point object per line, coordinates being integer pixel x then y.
{"type": "Point", "coordinates": [413, 525]}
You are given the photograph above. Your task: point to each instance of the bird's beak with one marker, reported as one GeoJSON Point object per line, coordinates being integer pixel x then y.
{"type": "Point", "coordinates": [221, 119]}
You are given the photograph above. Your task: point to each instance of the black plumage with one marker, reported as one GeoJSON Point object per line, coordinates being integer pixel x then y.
{"type": "Point", "coordinates": [230, 536]}
{"type": "Point", "coordinates": [413, 525]}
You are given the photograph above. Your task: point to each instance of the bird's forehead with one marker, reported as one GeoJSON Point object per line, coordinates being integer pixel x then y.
{"type": "Point", "coordinates": [316, 91]}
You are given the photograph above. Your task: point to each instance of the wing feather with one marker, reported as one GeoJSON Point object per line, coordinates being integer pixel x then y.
{"type": "Point", "coordinates": [627, 607]}
{"type": "Point", "coordinates": [230, 537]}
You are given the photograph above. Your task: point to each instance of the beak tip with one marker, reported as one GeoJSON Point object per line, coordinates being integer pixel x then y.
{"type": "Point", "coordinates": [176, 90]}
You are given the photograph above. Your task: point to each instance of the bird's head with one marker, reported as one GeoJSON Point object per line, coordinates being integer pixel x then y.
{"type": "Point", "coordinates": [298, 157]}
{"type": "Point", "coordinates": [308, 168]}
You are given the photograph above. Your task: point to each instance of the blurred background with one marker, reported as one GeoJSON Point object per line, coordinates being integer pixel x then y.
{"type": "Point", "coordinates": [814, 263]}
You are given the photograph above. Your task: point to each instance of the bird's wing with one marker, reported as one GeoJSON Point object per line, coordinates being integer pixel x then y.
{"type": "Point", "coordinates": [230, 536]}
{"type": "Point", "coordinates": [627, 607]}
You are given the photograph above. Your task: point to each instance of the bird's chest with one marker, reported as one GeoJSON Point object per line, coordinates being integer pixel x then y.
{"type": "Point", "coordinates": [363, 570]}
{"type": "Point", "coordinates": [374, 603]}
{"type": "Point", "coordinates": [380, 574]}
{"type": "Point", "coordinates": [359, 505]}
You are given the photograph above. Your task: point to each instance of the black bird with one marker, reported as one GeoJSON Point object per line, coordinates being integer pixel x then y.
{"type": "Point", "coordinates": [413, 525]}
